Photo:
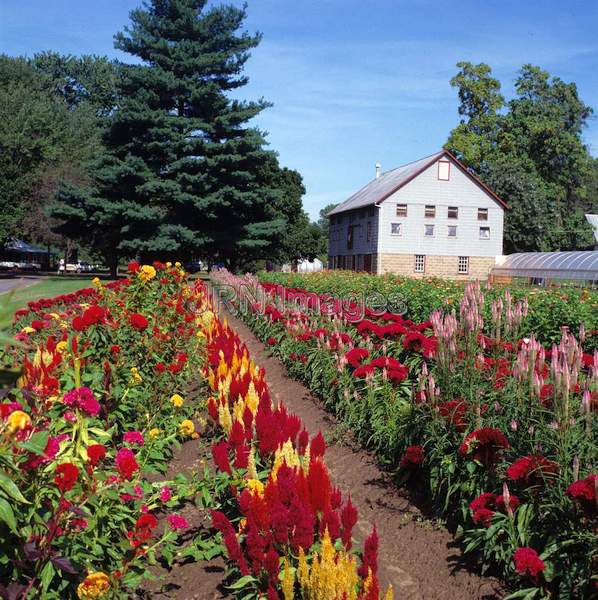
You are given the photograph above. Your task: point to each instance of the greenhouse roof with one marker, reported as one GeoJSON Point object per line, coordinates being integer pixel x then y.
{"type": "Point", "coordinates": [579, 265]}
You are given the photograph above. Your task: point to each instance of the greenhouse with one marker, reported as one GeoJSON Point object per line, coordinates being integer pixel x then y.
{"type": "Point", "coordinates": [548, 267]}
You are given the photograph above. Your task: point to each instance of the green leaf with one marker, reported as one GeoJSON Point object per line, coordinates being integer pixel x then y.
{"type": "Point", "coordinates": [7, 515]}
{"type": "Point", "coordinates": [10, 489]}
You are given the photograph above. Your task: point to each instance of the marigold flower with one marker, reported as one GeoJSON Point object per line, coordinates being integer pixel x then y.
{"type": "Point", "coordinates": [95, 585]}
{"type": "Point", "coordinates": [17, 420]}
{"type": "Point", "coordinates": [186, 427]}
{"type": "Point", "coordinates": [177, 400]}
{"type": "Point", "coordinates": [146, 272]}
{"type": "Point", "coordinates": [153, 433]}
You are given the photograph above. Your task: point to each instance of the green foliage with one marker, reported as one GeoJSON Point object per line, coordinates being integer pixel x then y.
{"type": "Point", "coordinates": [530, 152]}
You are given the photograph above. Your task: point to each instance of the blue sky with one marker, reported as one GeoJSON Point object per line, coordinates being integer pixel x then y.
{"type": "Point", "coordinates": [354, 82]}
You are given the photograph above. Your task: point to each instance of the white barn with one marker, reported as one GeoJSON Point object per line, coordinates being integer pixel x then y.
{"type": "Point", "coordinates": [430, 217]}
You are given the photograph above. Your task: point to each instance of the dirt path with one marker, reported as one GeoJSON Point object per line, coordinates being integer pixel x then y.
{"type": "Point", "coordinates": [421, 560]}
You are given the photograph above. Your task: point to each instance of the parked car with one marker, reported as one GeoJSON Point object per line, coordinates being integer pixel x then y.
{"type": "Point", "coordinates": [80, 267]}
{"type": "Point", "coordinates": [7, 265]}
{"type": "Point", "coordinates": [28, 266]}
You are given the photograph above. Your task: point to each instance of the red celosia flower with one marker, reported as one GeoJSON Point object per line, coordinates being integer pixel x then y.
{"type": "Point", "coordinates": [355, 356]}
{"type": "Point", "coordinates": [96, 453]}
{"type": "Point", "coordinates": [370, 555]}
{"type": "Point", "coordinates": [454, 411]}
{"type": "Point", "coordinates": [413, 457]}
{"type": "Point", "coordinates": [484, 445]}
{"type": "Point", "coordinates": [66, 476]}
{"type": "Point", "coordinates": [126, 463]}
{"type": "Point", "coordinates": [584, 491]}
{"type": "Point", "coordinates": [133, 437]}
{"type": "Point", "coordinates": [532, 469]}
{"type": "Point", "coordinates": [527, 562]}
{"type": "Point", "coordinates": [318, 445]}
{"type": "Point", "coordinates": [220, 455]}
{"type": "Point", "coordinates": [138, 321]}
{"type": "Point", "coordinates": [177, 522]}
{"type": "Point", "coordinates": [483, 516]}
{"type": "Point", "coordinates": [348, 521]}
{"type": "Point", "coordinates": [144, 530]}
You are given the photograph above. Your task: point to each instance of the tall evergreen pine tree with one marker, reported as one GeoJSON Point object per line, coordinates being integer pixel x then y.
{"type": "Point", "coordinates": [183, 171]}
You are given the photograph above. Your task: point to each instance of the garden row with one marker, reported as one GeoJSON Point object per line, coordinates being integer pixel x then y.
{"type": "Point", "coordinates": [500, 429]}
{"type": "Point", "coordinates": [549, 309]}
{"type": "Point", "coordinates": [104, 398]}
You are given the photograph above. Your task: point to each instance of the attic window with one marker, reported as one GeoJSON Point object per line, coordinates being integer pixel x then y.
{"type": "Point", "coordinates": [444, 170]}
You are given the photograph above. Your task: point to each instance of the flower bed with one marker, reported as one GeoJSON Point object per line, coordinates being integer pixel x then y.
{"type": "Point", "coordinates": [87, 433]}
{"type": "Point", "coordinates": [549, 309]}
{"type": "Point", "coordinates": [500, 429]}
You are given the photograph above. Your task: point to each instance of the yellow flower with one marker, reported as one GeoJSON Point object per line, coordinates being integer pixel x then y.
{"type": "Point", "coordinates": [61, 346]}
{"type": "Point", "coordinates": [146, 272]}
{"type": "Point", "coordinates": [95, 585]}
{"type": "Point", "coordinates": [177, 400]}
{"type": "Point", "coordinates": [153, 433]}
{"type": "Point", "coordinates": [17, 420]}
{"type": "Point", "coordinates": [186, 427]}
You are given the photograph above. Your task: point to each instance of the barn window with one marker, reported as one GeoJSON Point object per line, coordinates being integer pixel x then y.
{"type": "Point", "coordinates": [396, 228]}
{"type": "Point", "coordinates": [463, 265]}
{"type": "Point", "coordinates": [420, 263]}
{"type": "Point", "coordinates": [482, 214]}
{"type": "Point", "coordinates": [401, 210]}
{"type": "Point", "coordinates": [430, 211]}
{"type": "Point", "coordinates": [452, 231]}
{"type": "Point", "coordinates": [429, 230]}
{"type": "Point", "coordinates": [484, 233]}
{"type": "Point", "coordinates": [453, 212]}
{"type": "Point", "coordinates": [444, 170]}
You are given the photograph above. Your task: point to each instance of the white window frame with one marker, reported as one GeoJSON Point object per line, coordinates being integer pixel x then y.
{"type": "Point", "coordinates": [445, 170]}
{"type": "Point", "coordinates": [463, 265]}
{"type": "Point", "coordinates": [426, 230]}
{"type": "Point", "coordinates": [400, 232]}
{"type": "Point", "coordinates": [419, 264]}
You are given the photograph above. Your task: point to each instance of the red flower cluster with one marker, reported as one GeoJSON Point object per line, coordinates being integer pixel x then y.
{"type": "Point", "coordinates": [527, 562]}
{"type": "Point", "coordinates": [413, 457]}
{"type": "Point", "coordinates": [484, 445]}
{"type": "Point", "coordinates": [532, 469]}
{"type": "Point", "coordinates": [66, 475]}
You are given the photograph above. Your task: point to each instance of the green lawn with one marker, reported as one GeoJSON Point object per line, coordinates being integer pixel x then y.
{"type": "Point", "coordinates": [47, 288]}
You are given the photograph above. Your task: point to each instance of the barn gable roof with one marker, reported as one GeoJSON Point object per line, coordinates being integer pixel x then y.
{"type": "Point", "coordinates": [377, 190]}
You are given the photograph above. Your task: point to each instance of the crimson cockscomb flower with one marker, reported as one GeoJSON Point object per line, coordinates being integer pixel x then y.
{"type": "Point", "coordinates": [527, 562]}
{"type": "Point", "coordinates": [66, 475]}
{"type": "Point", "coordinates": [138, 321]}
{"type": "Point", "coordinates": [96, 453]}
{"type": "Point", "coordinates": [126, 463]}
{"type": "Point", "coordinates": [413, 457]}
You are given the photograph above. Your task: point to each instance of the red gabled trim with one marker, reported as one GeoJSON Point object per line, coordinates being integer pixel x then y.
{"type": "Point", "coordinates": [477, 180]}
{"type": "Point", "coordinates": [459, 164]}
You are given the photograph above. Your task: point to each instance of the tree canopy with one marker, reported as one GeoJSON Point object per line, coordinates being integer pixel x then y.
{"type": "Point", "coordinates": [530, 151]}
